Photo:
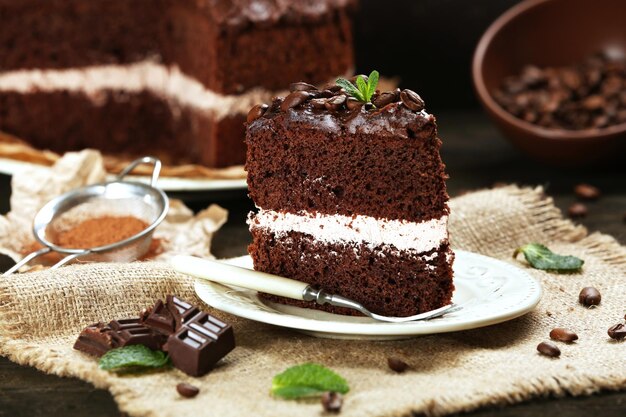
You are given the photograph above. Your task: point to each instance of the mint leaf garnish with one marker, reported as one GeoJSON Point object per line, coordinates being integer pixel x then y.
{"type": "Point", "coordinates": [307, 380]}
{"type": "Point", "coordinates": [350, 89]}
{"type": "Point", "coordinates": [540, 257]}
{"type": "Point", "coordinates": [363, 91]}
{"type": "Point", "coordinates": [132, 358]}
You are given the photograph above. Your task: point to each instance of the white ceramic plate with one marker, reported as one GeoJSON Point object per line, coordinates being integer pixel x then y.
{"type": "Point", "coordinates": [11, 167]}
{"type": "Point", "coordinates": [491, 291]}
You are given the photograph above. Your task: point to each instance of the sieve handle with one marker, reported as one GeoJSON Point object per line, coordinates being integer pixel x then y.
{"type": "Point", "coordinates": [26, 260]}
{"type": "Point", "coordinates": [70, 258]}
{"type": "Point", "coordinates": [144, 160]}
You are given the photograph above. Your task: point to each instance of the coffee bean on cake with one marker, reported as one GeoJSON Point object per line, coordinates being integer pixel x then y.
{"type": "Point", "coordinates": [295, 99]}
{"type": "Point", "coordinates": [302, 86]}
{"type": "Point", "coordinates": [335, 103]}
{"type": "Point", "coordinates": [412, 100]}
{"type": "Point", "coordinates": [256, 112]}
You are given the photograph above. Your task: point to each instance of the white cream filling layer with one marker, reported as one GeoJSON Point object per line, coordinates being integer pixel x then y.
{"type": "Point", "coordinates": [403, 235]}
{"type": "Point", "coordinates": [163, 81]}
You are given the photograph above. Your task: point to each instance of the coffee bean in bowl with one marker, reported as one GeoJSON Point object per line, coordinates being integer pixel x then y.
{"type": "Point", "coordinates": [582, 128]}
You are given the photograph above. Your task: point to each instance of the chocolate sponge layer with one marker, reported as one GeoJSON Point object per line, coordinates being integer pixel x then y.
{"type": "Point", "coordinates": [384, 280]}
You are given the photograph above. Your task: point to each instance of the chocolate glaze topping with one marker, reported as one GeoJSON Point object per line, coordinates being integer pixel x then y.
{"type": "Point", "coordinates": [238, 14]}
{"type": "Point", "coordinates": [398, 112]}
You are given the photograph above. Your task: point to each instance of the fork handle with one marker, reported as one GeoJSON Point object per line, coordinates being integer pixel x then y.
{"type": "Point", "coordinates": [240, 277]}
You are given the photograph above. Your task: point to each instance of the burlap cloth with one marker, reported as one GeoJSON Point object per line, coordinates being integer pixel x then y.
{"type": "Point", "coordinates": [42, 312]}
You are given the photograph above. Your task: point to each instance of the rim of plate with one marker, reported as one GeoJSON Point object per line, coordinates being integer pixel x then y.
{"type": "Point", "coordinates": [248, 305]}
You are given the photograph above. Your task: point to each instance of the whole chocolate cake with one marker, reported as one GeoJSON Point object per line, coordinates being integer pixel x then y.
{"type": "Point", "coordinates": [173, 78]}
{"type": "Point", "coordinates": [351, 197]}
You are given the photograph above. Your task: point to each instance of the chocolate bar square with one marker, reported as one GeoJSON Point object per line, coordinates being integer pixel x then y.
{"type": "Point", "coordinates": [94, 339]}
{"type": "Point", "coordinates": [200, 343]}
{"type": "Point", "coordinates": [132, 332]}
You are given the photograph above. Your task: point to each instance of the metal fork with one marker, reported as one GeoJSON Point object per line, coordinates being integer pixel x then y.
{"type": "Point", "coordinates": [284, 287]}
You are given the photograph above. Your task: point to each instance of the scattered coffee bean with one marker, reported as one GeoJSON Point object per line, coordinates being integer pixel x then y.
{"type": "Point", "coordinates": [332, 401]}
{"type": "Point", "coordinates": [589, 296]}
{"type": "Point", "coordinates": [187, 390]}
{"type": "Point", "coordinates": [412, 100]}
{"type": "Point", "coordinates": [302, 87]}
{"type": "Point", "coordinates": [587, 192]}
{"type": "Point", "coordinates": [397, 365]}
{"type": "Point", "coordinates": [383, 99]}
{"type": "Point", "coordinates": [335, 103]}
{"type": "Point", "coordinates": [256, 112]}
{"type": "Point", "coordinates": [563, 335]}
{"type": "Point", "coordinates": [617, 331]}
{"type": "Point", "coordinates": [294, 100]}
{"type": "Point", "coordinates": [577, 210]}
{"type": "Point", "coordinates": [549, 349]}
{"type": "Point", "coordinates": [353, 104]}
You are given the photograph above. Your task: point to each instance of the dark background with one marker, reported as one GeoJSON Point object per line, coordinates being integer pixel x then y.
{"type": "Point", "coordinates": [428, 44]}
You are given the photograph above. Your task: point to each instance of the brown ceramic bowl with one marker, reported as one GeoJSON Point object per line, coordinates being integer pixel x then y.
{"type": "Point", "coordinates": [551, 33]}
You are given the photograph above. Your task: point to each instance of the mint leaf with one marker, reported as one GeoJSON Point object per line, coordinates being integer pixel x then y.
{"type": "Point", "coordinates": [540, 257]}
{"type": "Point", "coordinates": [350, 88]}
{"type": "Point", "coordinates": [372, 83]}
{"type": "Point", "coordinates": [133, 357]}
{"type": "Point", "coordinates": [307, 380]}
{"type": "Point", "coordinates": [363, 88]}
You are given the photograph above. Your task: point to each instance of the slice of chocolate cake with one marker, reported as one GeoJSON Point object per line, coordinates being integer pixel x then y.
{"type": "Point", "coordinates": [171, 78]}
{"type": "Point", "coordinates": [351, 197]}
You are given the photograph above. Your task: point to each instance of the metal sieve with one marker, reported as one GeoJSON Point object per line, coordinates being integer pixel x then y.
{"type": "Point", "coordinates": [114, 198]}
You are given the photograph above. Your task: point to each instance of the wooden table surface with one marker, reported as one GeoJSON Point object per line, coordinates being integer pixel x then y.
{"type": "Point", "coordinates": [476, 156]}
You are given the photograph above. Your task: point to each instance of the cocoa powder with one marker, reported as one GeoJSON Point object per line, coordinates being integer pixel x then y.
{"type": "Point", "coordinates": [100, 231]}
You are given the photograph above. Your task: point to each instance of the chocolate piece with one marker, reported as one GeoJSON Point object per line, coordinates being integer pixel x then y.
{"type": "Point", "coordinates": [587, 192]}
{"type": "Point", "coordinates": [99, 338]}
{"type": "Point", "coordinates": [180, 310]}
{"type": "Point", "coordinates": [302, 86]}
{"type": "Point", "coordinates": [94, 340]}
{"type": "Point", "coordinates": [335, 103]}
{"type": "Point", "coordinates": [160, 319]}
{"type": "Point", "coordinates": [200, 343]}
{"type": "Point", "coordinates": [128, 332]}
